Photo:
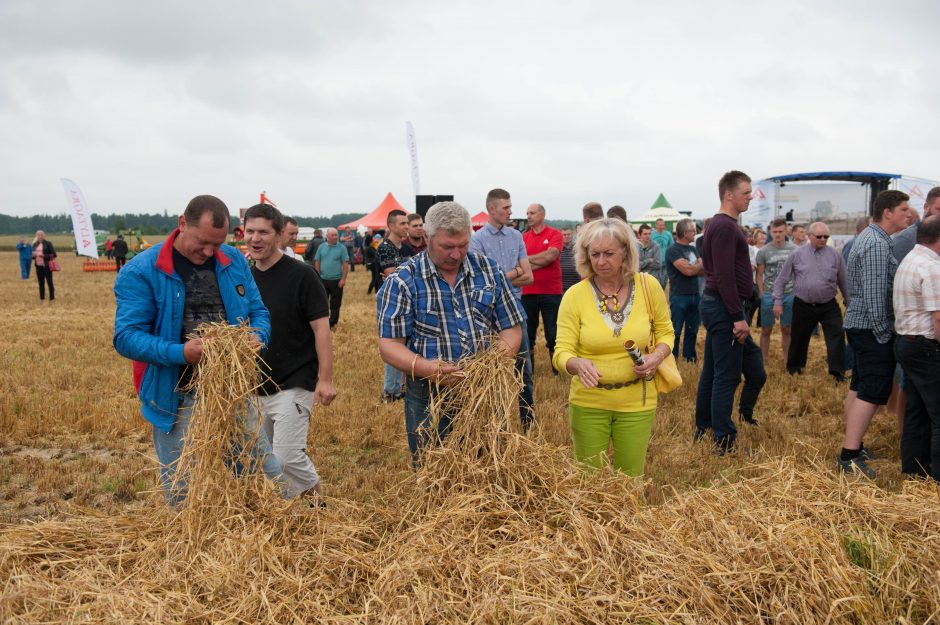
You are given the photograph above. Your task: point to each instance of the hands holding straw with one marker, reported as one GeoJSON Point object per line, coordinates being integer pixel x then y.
{"type": "Point", "coordinates": [436, 371]}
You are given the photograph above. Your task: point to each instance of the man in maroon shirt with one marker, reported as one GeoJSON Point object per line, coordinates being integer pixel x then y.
{"type": "Point", "coordinates": [729, 349]}
{"type": "Point", "coordinates": [543, 245]}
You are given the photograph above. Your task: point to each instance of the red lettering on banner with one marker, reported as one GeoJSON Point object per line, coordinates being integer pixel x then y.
{"type": "Point", "coordinates": [84, 226]}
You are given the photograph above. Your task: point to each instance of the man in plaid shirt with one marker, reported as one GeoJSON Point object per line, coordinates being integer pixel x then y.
{"type": "Point", "coordinates": [917, 322]}
{"type": "Point", "coordinates": [869, 324]}
{"type": "Point", "coordinates": [439, 307]}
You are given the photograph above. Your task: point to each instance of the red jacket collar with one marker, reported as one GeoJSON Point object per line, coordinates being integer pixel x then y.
{"type": "Point", "coordinates": [165, 257]}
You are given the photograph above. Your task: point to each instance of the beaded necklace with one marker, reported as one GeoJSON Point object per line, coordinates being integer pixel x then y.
{"type": "Point", "coordinates": [609, 306]}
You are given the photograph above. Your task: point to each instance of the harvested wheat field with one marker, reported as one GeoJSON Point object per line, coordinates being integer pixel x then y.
{"type": "Point", "coordinates": [495, 527]}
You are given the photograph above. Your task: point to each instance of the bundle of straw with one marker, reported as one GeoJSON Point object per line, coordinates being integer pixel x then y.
{"type": "Point", "coordinates": [219, 470]}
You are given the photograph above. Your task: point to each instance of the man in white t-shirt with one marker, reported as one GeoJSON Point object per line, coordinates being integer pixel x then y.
{"type": "Point", "coordinates": [289, 237]}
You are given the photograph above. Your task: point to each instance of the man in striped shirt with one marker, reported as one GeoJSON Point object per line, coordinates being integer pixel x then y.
{"type": "Point", "coordinates": [569, 272]}
{"type": "Point", "coordinates": [438, 307]}
{"type": "Point", "coordinates": [869, 324]}
{"type": "Point", "coordinates": [917, 322]}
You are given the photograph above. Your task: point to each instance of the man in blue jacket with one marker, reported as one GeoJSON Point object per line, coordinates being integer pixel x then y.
{"type": "Point", "coordinates": [162, 295]}
{"type": "Point", "coordinates": [25, 250]}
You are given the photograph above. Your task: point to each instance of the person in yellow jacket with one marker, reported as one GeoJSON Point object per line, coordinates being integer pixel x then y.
{"type": "Point", "coordinates": [611, 396]}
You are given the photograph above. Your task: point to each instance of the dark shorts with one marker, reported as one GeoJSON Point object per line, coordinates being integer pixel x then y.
{"type": "Point", "coordinates": [873, 374]}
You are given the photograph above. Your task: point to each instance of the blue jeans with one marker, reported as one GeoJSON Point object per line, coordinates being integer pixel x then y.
{"type": "Point", "coordinates": [25, 264]}
{"type": "Point", "coordinates": [392, 383]}
{"type": "Point", "coordinates": [418, 419]}
{"type": "Point", "coordinates": [685, 311]}
{"type": "Point", "coordinates": [526, 396]}
{"type": "Point", "coordinates": [169, 446]}
{"type": "Point", "coordinates": [725, 360]}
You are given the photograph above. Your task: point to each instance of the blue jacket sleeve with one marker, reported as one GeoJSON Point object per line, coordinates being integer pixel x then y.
{"type": "Point", "coordinates": [135, 321]}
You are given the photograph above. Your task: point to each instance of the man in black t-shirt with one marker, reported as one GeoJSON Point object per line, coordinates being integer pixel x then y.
{"type": "Point", "coordinates": [391, 251]}
{"type": "Point", "coordinates": [299, 358]}
{"type": "Point", "coordinates": [683, 266]}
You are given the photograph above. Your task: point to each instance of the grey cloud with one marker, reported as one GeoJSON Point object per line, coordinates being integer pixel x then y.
{"type": "Point", "coordinates": [176, 30]}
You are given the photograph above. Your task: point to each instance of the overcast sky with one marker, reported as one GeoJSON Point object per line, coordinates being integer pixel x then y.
{"type": "Point", "coordinates": [145, 104]}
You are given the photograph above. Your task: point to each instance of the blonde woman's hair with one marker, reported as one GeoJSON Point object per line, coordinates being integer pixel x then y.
{"type": "Point", "coordinates": [611, 228]}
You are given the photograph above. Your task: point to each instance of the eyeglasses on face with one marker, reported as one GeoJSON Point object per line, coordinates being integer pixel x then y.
{"type": "Point", "coordinates": [820, 236]}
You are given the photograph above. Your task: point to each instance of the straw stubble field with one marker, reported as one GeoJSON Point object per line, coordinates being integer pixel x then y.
{"type": "Point", "coordinates": [769, 534]}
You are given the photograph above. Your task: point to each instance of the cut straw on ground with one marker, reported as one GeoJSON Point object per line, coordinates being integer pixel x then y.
{"type": "Point", "coordinates": [495, 526]}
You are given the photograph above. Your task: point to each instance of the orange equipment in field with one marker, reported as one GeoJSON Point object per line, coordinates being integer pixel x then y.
{"type": "Point", "coordinates": [99, 265]}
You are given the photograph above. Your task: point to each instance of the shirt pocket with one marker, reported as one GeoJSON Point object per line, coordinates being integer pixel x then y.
{"type": "Point", "coordinates": [481, 302]}
{"type": "Point", "coordinates": [427, 333]}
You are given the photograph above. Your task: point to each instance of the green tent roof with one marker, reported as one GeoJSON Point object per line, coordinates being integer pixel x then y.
{"type": "Point", "coordinates": [661, 202]}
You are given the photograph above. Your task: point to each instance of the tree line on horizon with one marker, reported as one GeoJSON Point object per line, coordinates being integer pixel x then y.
{"type": "Point", "coordinates": [155, 224]}
{"type": "Point", "coordinates": [152, 224]}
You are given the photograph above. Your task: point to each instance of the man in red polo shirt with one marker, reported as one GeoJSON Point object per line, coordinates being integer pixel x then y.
{"type": "Point", "coordinates": [543, 245]}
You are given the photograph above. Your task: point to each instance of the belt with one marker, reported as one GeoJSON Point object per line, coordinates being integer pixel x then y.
{"type": "Point", "coordinates": [814, 304]}
{"type": "Point", "coordinates": [918, 338]}
{"type": "Point", "coordinates": [611, 387]}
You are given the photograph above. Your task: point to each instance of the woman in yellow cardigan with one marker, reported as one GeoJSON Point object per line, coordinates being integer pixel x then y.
{"type": "Point", "coordinates": [611, 397]}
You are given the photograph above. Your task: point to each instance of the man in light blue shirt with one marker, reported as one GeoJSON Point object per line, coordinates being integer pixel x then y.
{"type": "Point", "coordinates": [332, 263]}
{"type": "Point", "coordinates": [505, 247]}
{"type": "Point", "coordinates": [663, 239]}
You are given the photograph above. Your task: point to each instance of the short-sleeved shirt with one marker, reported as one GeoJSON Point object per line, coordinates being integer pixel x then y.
{"type": "Point", "coordinates": [331, 259]}
{"type": "Point", "coordinates": [664, 240]}
{"type": "Point", "coordinates": [504, 246]}
{"type": "Point", "coordinates": [679, 283]}
{"type": "Point", "coordinates": [569, 272]}
{"type": "Point", "coordinates": [294, 296]}
{"type": "Point", "coordinates": [387, 255]}
{"type": "Point", "coordinates": [440, 321]}
{"type": "Point", "coordinates": [547, 278]}
{"type": "Point", "coordinates": [773, 259]}
{"type": "Point", "coordinates": [917, 293]}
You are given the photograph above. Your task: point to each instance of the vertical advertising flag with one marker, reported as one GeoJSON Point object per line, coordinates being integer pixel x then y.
{"type": "Point", "coordinates": [761, 210]}
{"type": "Point", "coordinates": [85, 243]}
{"type": "Point", "coordinates": [413, 152]}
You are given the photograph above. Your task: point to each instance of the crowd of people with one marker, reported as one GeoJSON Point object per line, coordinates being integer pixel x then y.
{"type": "Point", "coordinates": [599, 293]}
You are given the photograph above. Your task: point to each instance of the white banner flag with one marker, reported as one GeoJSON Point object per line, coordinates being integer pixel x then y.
{"type": "Point", "coordinates": [760, 211]}
{"type": "Point", "coordinates": [85, 242]}
{"type": "Point", "coordinates": [413, 152]}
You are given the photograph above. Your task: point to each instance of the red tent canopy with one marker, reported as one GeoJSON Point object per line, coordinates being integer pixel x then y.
{"type": "Point", "coordinates": [479, 220]}
{"type": "Point", "coordinates": [377, 219]}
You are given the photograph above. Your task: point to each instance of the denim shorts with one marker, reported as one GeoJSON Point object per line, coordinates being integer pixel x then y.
{"type": "Point", "coordinates": [767, 311]}
{"type": "Point", "coordinates": [873, 374]}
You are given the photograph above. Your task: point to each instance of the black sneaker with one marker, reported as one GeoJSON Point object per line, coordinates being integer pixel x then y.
{"type": "Point", "coordinates": [868, 455]}
{"type": "Point", "coordinates": [748, 420]}
{"type": "Point", "coordinates": [699, 434]}
{"type": "Point", "coordinates": [388, 398]}
{"type": "Point", "coordinates": [856, 465]}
